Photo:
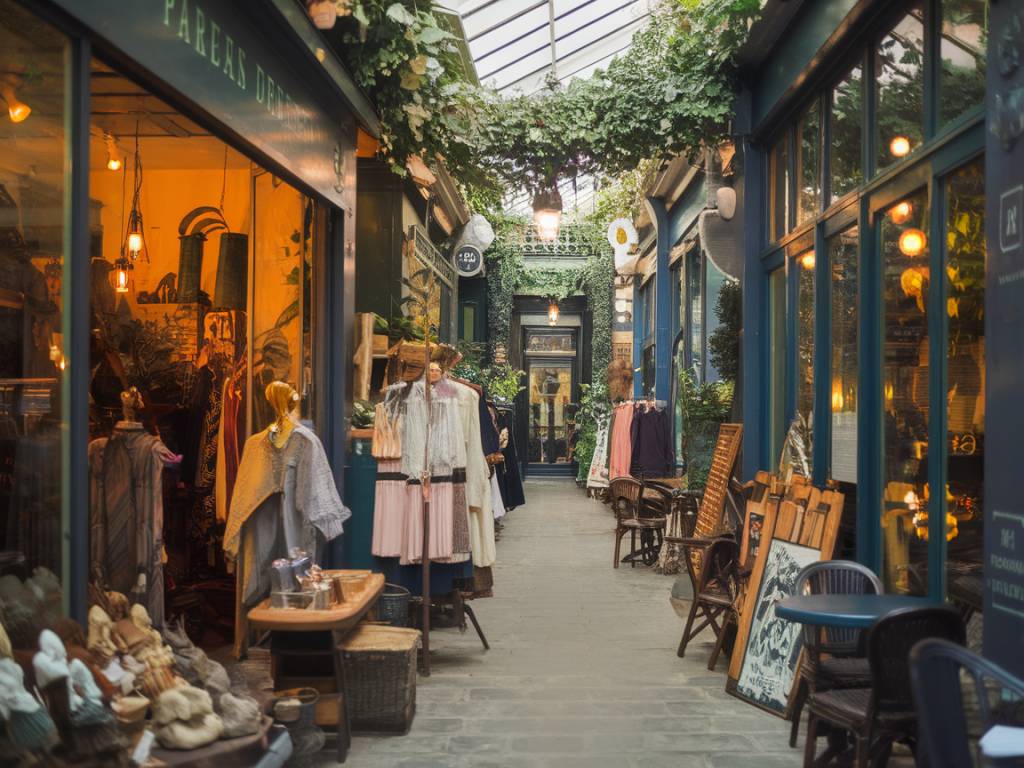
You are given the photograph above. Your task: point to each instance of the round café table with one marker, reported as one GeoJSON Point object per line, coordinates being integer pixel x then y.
{"type": "Point", "coordinates": [844, 611]}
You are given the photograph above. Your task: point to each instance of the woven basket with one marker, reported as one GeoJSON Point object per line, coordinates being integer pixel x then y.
{"type": "Point", "coordinates": [393, 605]}
{"type": "Point", "coordinates": [380, 677]}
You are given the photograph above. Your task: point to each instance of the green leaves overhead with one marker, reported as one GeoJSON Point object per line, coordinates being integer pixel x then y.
{"type": "Point", "coordinates": [671, 92]}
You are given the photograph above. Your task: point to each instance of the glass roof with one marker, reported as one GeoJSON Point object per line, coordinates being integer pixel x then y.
{"type": "Point", "coordinates": [511, 45]}
{"type": "Point", "coordinates": [511, 40]}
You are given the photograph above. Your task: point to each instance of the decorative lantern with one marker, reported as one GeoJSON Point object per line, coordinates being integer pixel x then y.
{"type": "Point", "coordinates": [547, 214]}
{"type": "Point", "coordinates": [553, 313]}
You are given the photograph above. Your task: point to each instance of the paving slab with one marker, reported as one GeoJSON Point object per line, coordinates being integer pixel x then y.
{"type": "Point", "coordinates": [582, 669]}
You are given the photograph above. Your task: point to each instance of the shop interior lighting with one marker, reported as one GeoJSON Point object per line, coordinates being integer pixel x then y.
{"type": "Point", "coordinates": [547, 214]}
{"type": "Point", "coordinates": [135, 240]}
{"type": "Point", "coordinates": [553, 313]}
{"type": "Point", "coordinates": [121, 269]}
{"type": "Point", "coordinates": [16, 109]}
{"type": "Point", "coordinates": [900, 146]}
{"type": "Point", "coordinates": [807, 260]}
{"type": "Point", "coordinates": [901, 212]}
{"type": "Point", "coordinates": [912, 242]}
{"type": "Point", "coordinates": [114, 161]}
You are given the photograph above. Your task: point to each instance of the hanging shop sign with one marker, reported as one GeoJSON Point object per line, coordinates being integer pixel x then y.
{"type": "Point", "coordinates": [622, 237]}
{"type": "Point", "coordinates": [215, 56]}
{"type": "Point", "coordinates": [468, 260]}
{"type": "Point", "coordinates": [1004, 293]}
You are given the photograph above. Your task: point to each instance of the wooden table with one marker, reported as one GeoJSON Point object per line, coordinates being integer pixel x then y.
{"type": "Point", "coordinates": [305, 634]}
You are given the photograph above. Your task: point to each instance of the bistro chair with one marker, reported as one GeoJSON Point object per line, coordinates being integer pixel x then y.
{"type": "Point", "coordinates": [884, 713]}
{"type": "Point", "coordinates": [715, 593]}
{"type": "Point", "coordinates": [939, 671]}
{"type": "Point", "coordinates": [632, 515]}
{"type": "Point", "coordinates": [830, 653]}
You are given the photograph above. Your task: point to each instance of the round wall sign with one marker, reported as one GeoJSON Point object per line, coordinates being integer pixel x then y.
{"type": "Point", "coordinates": [469, 260]}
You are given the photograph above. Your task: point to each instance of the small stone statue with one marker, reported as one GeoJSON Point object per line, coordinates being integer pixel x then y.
{"type": "Point", "coordinates": [153, 650]}
{"type": "Point", "coordinates": [101, 637]}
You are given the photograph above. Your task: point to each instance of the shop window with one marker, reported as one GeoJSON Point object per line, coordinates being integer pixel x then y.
{"type": "Point", "coordinates": [842, 249]}
{"type": "Point", "coordinates": [965, 360]}
{"type": "Point", "coordinates": [899, 89]}
{"type": "Point", "coordinates": [649, 371]}
{"type": "Point", "coordinates": [808, 171]}
{"type": "Point", "coordinates": [805, 264]}
{"type": "Point", "coordinates": [846, 134]}
{"type": "Point", "coordinates": [778, 188]}
{"type": "Point", "coordinates": [648, 303]}
{"type": "Point", "coordinates": [904, 252]}
{"type": "Point", "coordinates": [203, 267]}
{"type": "Point", "coordinates": [469, 322]}
{"type": "Point", "coordinates": [32, 289]}
{"type": "Point", "coordinates": [962, 47]}
{"type": "Point", "coordinates": [695, 308]}
{"type": "Point", "coordinates": [776, 363]}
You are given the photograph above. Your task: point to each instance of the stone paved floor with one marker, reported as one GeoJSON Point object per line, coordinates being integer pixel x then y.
{"type": "Point", "coordinates": [582, 669]}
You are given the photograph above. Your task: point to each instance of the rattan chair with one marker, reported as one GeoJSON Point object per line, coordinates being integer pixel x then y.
{"type": "Point", "coordinates": [634, 515]}
{"type": "Point", "coordinates": [938, 671]}
{"type": "Point", "coordinates": [884, 713]}
{"type": "Point", "coordinates": [830, 653]}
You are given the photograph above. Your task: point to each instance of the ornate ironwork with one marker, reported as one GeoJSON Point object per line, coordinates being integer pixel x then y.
{"type": "Point", "coordinates": [430, 257]}
{"type": "Point", "coordinates": [574, 241]}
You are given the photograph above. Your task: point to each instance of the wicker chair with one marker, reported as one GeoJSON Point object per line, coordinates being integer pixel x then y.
{"type": "Point", "coordinates": [634, 515]}
{"type": "Point", "coordinates": [939, 670]}
{"type": "Point", "coordinates": [830, 653]}
{"type": "Point", "coordinates": [884, 713]}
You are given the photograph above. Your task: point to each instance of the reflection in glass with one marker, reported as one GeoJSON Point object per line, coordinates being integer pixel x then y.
{"type": "Point", "coordinates": [962, 48]}
{"type": "Point", "coordinates": [695, 307]}
{"type": "Point", "coordinates": [551, 342]}
{"type": "Point", "coordinates": [648, 371]}
{"type": "Point", "coordinates": [777, 362]}
{"type": "Point", "coordinates": [778, 181]}
{"type": "Point", "coordinates": [808, 171]}
{"type": "Point", "coordinates": [845, 172]}
{"type": "Point", "coordinates": [905, 399]}
{"type": "Point", "coordinates": [899, 75]}
{"type": "Point", "coordinates": [32, 254]}
{"type": "Point", "coordinates": [842, 249]}
{"type": "Point", "coordinates": [965, 394]}
{"type": "Point", "coordinates": [804, 264]}
{"type": "Point", "coordinates": [550, 390]}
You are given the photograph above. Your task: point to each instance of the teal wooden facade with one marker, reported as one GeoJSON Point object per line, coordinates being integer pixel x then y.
{"type": "Point", "coordinates": [849, 321]}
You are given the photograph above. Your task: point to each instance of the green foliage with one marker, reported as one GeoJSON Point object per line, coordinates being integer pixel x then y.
{"type": "Point", "coordinates": [502, 382]}
{"type": "Point", "coordinates": [724, 344]}
{"type": "Point", "coordinates": [701, 408]}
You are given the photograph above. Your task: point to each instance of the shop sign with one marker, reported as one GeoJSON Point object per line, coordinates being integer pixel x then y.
{"type": "Point", "coordinates": [213, 53]}
{"type": "Point", "coordinates": [468, 260]}
{"type": "Point", "coordinates": [1004, 294]}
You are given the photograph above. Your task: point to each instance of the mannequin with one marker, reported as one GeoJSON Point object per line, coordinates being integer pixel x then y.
{"type": "Point", "coordinates": [284, 497]}
{"type": "Point", "coordinates": [126, 507]}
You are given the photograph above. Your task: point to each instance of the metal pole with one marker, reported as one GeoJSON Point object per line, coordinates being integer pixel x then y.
{"type": "Point", "coordinates": [551, 34]}
{"type": "Point", "coordinates": [425, 476]}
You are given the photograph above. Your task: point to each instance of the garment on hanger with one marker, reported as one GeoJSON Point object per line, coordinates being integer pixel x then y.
{"type": "Point", "coordinates": [621, 454]}
{"type": "Point", "coordinates": [651, 452]}
{"type": "Point", "coordinates": [229, 445]}
{"type": "Point", "coordinates": [127, 511]}
{"type": "Point", "coordinates": [497, 505]}
{"type": "Point", "coordinates": [284, 497]}
{"type": "Point", "coordinates": [478, 486]}
{"type": "Point", "coordinates": [509, 479]}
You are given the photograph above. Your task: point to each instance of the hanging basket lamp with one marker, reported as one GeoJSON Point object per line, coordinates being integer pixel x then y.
{"type": "Point", "coordinates": [547, 214]}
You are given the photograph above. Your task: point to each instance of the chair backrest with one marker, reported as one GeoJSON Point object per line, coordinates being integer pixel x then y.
{"type": "Point", "coordinates": [889, 644]}
{"type": "Point", "coordinates": [835, 577]}
{"type": "Point", "coordinates": [720, 564]}
{"type": "Point", "coordinates": [625, 494]}
{"type": "Point", "coordinates": [939, 670]}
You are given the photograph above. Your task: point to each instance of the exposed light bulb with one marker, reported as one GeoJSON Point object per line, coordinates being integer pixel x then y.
{"type": "Point", "coordinates": [901, 212]}
{"type": "Point", "coordinates": [134, 243]}
{"type": "Point", "coordinates": [807, 260]}
{"type": "Point", "coordinates": [553, 313]}
{"type": "Point", "coordinates": [912, 242]}
{"type": "Point", "coordinates": [17, 110]}
{"type": "Point", "coordinates": [121, 280]}
{"type": "Point", "coordinates": [900, 146]}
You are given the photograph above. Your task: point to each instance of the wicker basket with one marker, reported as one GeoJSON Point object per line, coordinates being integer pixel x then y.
{"type": "Point", "coordinates": [380, 677]}
{"type": "Point", "coordinates": [393, 605]}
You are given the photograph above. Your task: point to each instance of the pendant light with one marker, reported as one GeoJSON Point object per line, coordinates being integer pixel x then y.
{"type": "Point", "coordinates": [114, 162]}
{"type": "Point", "coordinates": [547, 214]}
{"type": "Point", "coordinates": [122, 266]}
{"type": "Point", "coordinates": [135, 238]}
{"type": "Point", "coordinates": [912, 242]}
{"type": "Point", "coordinates": [899, 146]}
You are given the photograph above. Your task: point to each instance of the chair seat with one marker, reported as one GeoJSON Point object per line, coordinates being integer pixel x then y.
{"type": "Point", "coordinates": [844, 673]}
{"type": "Point", "coordinates": [716, 592]}
{"type": "Point", "coordinates": [642, 523]}
{"type": "Point", "coordinates": [849, 707]}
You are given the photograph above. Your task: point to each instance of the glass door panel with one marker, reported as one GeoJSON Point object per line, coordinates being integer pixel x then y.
{"type": "Point", "coordinates": [804, 265]}
{"type": "Point", "coordinates": [776, 363]}
{"type": "Point", "coordinates": [905, 275]}
{"type": "Point", "coordinates": [965, 360]}
{"type": "Point", "coordinates": [550, 393]}
{"type": "Point", "coordinates": [842, 249]}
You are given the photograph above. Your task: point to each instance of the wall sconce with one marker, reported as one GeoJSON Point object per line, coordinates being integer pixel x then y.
{"type": "Point", "coordinates": [912, 242]}
{"type": "Point", "coordinates": [114, 162]}
{"type": "Point", "coordinates": [553, 313]}
{"type": "Point", "coordinates": [900, 146]}
{"type": "Point", "coordinates": [807, 260]}
{"type": "Point", "coordinates": [901, 212]}
{"type": "Point", "coordinates": [547, 214]}
{"type": "Point", "coordinates": [17, 110]}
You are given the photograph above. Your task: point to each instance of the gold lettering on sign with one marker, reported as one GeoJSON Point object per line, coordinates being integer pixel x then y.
{"type": "Point", "coordinates": [214, 43]}
{"type": "Point", "coordinates": [200, 32]}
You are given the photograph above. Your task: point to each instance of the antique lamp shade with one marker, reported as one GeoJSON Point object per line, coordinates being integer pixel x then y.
{"type": "Point", "coordinates": [547, 214]}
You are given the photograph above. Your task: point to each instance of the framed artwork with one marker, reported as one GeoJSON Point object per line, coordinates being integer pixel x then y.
{"type": "Point", "coordinates": [793, 534]}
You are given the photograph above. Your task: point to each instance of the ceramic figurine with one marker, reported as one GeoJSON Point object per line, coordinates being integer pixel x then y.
{"type": "Point", "coordinates": [184, 719]}
{"type": "Point", "coordinates": [153, 652]}
{"type": "Point", "coordinates": [51, 666]}
{"type": "Point", "coordinates": [101, 637]}
{"type": "Point", "coordinates": [29, 724]}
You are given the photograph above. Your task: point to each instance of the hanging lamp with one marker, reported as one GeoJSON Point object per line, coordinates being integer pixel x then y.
{"type": "Point", "coordinates": [547, 214]}
{"type": "Point", "coordinates": [553, 312]}
{"type": "Point", "coordinates": [135, 237]}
